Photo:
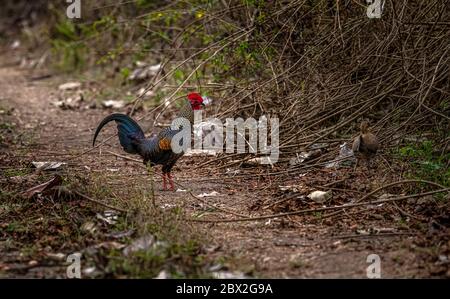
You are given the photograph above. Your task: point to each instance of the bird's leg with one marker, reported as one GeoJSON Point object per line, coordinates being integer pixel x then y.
{"type": "Point", "coordinates": [369, 166]}
{"type": "Point", "coordinates": [356, 164]}
{"type": "Point", "coordinates": [164, 175]}
{"type": "Point", "coordinates": [172, 187]}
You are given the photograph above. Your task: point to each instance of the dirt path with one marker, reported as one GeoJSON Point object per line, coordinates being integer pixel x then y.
{"type": "Point", "coordinates": [297, 247]}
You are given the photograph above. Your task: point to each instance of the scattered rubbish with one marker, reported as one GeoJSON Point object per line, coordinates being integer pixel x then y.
{"type": "Point", "coordinates": [166, 102]}
{"type": "Point", "coordinates": [145, 93]}
{"type": "Point", "coordinates": [108, 216]}
{"type": "Point", "coordinates": [48, 165]}
{"type": "Point", "coordinates": [207, 100]}
{"type": "Point", "coordinates": [229, 275]}
{"type": "Point", "coordinates": [70, 103]}
{"type": "Point", "coordinates": [89, 271]}
{"type": "Point", "coordinates": [144, 71]}
{"type": "Point", "coordinates": [69, 86]}
{"type": "Point", "coordinates": [443, 258]}
{"type": "Point", "coordinates": [320, 196]}
{"type": "Point", "coordinates": [92, 105]}
{"type": "Point", "coordinates": [113, 104]}
{"type": "Point", "coordinates": [292, 188]}
{"type": "Point", "coordinates": [181, 190]}
{"type": "Point", "coordinates": [304, 157]}
{"type": "Point", "coordinates": [168, 206]}
{"type": "Point", "coordinates": [56, 181]}
{"type": "Point", "coordinates": [142, 243]}
{"type": "Point", "coordinates": [163, 275]}
{"type": "Point", "coordinates": [33, 263]}
{"type": "Point", "coordinates": [232, 172]}
{"type": "Point", "coordinates": [345, 157]}
{"type": "Point", "coordinates": [362, 232]}
{"type": "Point", "coordinates": [214, 193]}
{"type": "Point", "coordinates": [113, 169]}
{"type": "Point", "coordinates": [336, 243]}
{"type": "Point", "coordinates": [30, 63]}
{"type": "Point", "coordinates": [89, 227]}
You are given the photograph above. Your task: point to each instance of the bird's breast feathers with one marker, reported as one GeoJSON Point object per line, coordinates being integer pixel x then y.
{"type": "Point", "coordinates": [164, 144]}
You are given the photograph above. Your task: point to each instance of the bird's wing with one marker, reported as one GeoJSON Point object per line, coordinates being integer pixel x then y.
{"type": "Point", "coordinates": [165, 139]}
{"type": "Point", "coordinates": [371, 143]}
{"type": "Point", "coordinates": [356, 144]}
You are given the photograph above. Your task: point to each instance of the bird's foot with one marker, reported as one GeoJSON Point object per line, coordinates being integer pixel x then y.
{"type": "Point", "coordinates": [167, 177]}
{"type": "Point", "coordinates": [164, 188]}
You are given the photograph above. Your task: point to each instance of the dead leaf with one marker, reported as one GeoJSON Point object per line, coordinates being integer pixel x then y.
{"type": "Point", "coordinates": [163, 275]}
{"type": "Point", "coordinates": [320, 196]}
{"type": "Point", "coordinates": [48, 165]}
{"type": "Point", "coordinates": [89, 227]}
{"type": "Point", "coordinates": [56, 181]}
{"type": "Point", "coordinates": [69, 86]}
{"type": "Point", "coordinates": [113, 104]}
{"type": "Point", "coordinates": [70, 103]}
{"type": "Point", "coordinates": [108, 216]}
{"type": "Point", "coordinates": [214, 193]}
{"type": "Point", "coordinates": [144, 71]}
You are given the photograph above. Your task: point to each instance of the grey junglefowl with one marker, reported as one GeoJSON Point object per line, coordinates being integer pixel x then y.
{"type": "Point", "coordinates": [157, 150]}
{"type": "Point", "coordinates": [365, 145]}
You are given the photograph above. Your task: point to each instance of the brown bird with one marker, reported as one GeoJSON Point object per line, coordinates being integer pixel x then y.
{"type": "Point", "coordinates": [365, 145]}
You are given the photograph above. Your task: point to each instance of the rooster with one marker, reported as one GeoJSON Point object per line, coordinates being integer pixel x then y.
{"type": "Point", "coordinates": [157, 150]}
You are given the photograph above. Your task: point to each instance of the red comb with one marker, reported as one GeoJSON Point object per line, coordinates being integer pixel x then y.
{"type": "Point", "coordinates": [195, 96]}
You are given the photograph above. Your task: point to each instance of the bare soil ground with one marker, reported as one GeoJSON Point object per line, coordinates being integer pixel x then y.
{"type": "Point", "coordinates": [33, 231]}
